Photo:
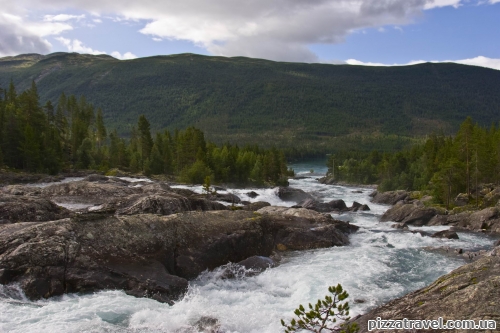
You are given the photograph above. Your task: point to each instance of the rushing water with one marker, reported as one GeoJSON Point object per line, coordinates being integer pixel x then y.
{"type": "Point", "coordinates": [380, 264]}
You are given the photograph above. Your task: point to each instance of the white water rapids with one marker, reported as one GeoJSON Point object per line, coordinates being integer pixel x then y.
{"type": "Point", "coordinates": [380, 264]}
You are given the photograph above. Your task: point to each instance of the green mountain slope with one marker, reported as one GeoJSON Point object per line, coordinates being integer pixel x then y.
{"type": "Point", "coordinates": [258, 101]}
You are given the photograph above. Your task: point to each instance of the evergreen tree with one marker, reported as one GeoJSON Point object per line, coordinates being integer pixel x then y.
{"type": "Point", "coordinates": [145, 139]}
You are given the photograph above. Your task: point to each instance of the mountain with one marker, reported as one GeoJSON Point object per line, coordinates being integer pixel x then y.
{"type": "Point", "coordinates": [243, 100]}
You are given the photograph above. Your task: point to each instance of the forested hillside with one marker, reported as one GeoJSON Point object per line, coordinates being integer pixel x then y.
{"type": "Point", "coordinates": [72, 136]}
{"type": "Point", "coordinates": [305, 106]}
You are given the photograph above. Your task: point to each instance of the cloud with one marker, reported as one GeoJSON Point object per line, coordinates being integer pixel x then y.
{"type": "Point", "coordinates": [477, 61]}
{"type": "Point", "coordinates": [77, 46]}
{"type": "Point", "coordinates": [443, 3]}
{"type": "Point", "coordinates": [62, 17]}
{"type": "Point", "coordinates": [272, 29]}
{"type": "Point", "coordinates": [126, 56]}
{"type": "Point", "coordinates": [18, 36]}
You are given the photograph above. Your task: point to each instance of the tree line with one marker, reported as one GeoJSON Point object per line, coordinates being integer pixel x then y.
{"type": "Point", "coordinates": [442, 165]}
{"type": "Point", "coordinates": [71, 135]}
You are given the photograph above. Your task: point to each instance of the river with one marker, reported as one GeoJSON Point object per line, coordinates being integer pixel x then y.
{"type": "Point", "coordinates": [380, 264]}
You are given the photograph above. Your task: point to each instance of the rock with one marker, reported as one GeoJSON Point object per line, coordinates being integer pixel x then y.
{"type": "Point", "coordinates": [448, 234]}
{"type": "Point", "coordinates": [327, 180]}
{"type": "Point", "coordinates": [409, 214]}
{"type": "Point", "coordinates": [21, 190]}
{"type": "Point", "coordinates": [88, 192]}
{"type": "Point", "coordinates": [324, 207]}
{"type": "Point", "coordinates": [373, 194]}
{"type": "Point", "coordinates": [390, 197]}
{"type": "Point", "coordinates": [462, 199]}
{"type": "Point", "coordinates": [207, 325]}
{"type": "Point", "coordinates": [150, 255]}
{"type": "Point", "coordinates": [337, 205]}
{"type": "Point", "coordinates": [357, 206]}
{"type": "Point", "coordinates": [219, 188]}
{"type": "Point", "coordinates": [226, 197]}
{"type": "Point", "coordinates": [156, 188]}
{"type": "Point", "coordinates": [491, 198]}
{"type": "Point", "coordinates": [292, 194]}
{"type": "Point", "coordinates": [255, 206]}
{"type": "Point", "coordinates": [95, 178]}
{"type": "Point", "coordinates": [421, 232]}
{"type": "Point", "coordinates": [257, 263]}
{"type": "Point", "coordinates": [184, 192]}
{"type": "Point", "coordinates": [476, 282]}
{"type": "Point", "coordinates": [488, 218]}
{"type": "Point", "coordinates": [252, 194]}
{"type": "Point", "coordinates": [164, 204]}
{"type": "Point", "coordinates": [357, 191]}
{"type": "Point", "coordinates": [328, 232]}
{"type": "Point", "coordinates": [497, 243]}
{"type": "Point", "coordinates": [15, 208]}
{"type": "Point", "coordinates": [402, 226]}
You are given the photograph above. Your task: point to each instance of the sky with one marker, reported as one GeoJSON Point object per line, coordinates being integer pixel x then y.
{"type": "Point", "coordinates": [356, 32]}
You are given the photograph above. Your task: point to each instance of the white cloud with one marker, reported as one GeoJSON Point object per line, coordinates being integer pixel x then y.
{"type": "Point", "coordinates": [477, 61]}
{"type": "Point", "coordinates": [126, 56]}
{"type": "Point", "coordinates": [97, 20]}
{"type": "Point", "coordinates": [156, 39]}
{"type": "Point", "coordinates": [18, 36]}
{"type": "Point", "coordinates": [77, 46]}
{"type": "Point", "coordinates": [272, 29]}
{"type": "Point", "coordinates": [443, 3]}
{"type": "Point", "coordinates": [62, 17]}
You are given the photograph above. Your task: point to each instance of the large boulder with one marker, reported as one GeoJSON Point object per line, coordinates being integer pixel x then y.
{"type": "Point", "coordinates": [390, 197]}
{"type": "Point", "coordinates": [486, 219]}
{"type": "Point", "coordinates": [476, 283]}
{"type": "Point", "coordinates": [324, 207]}
{"type": "Point", "coordinates": [14, 208]}
{"type": "Point", "coordinates": [150, 255]}
{"type": "Point", "coordinates": [448, 234]}
{"type": "Point", "coordinates": [414, 213]}
{"type": "Point", "coordinates": [328, 231]}
{"type": "Point", "coordinates": [292, 194]}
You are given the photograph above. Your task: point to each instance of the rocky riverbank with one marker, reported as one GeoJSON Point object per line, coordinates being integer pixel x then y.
{"type": "Point", "coordinates": [147, 239]}
{"type": "Point", "coordinates": [471, 292]}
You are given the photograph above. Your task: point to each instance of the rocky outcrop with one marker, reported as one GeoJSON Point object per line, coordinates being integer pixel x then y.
{"type": "Point", "coordinates": [326, 233]}
{"type": "Point", "coordinates": [469, 292]}
{"type": "Point", "coordinates": [487, 219]}
{"type": "Point", "coordinates": [292, 194]}
{"type": "Point", "coordinates": [149, 255]}
{"type": "Point", "coordinates": [91, 192]}
{"type": "Point", "coordinates": [163, 204]}
{"type": "Point", "coordinates": [414, 213]}
{"type": "Point", "coordinates": [16, 208]}
{"type": "Point", "coordinates": [390, 197]}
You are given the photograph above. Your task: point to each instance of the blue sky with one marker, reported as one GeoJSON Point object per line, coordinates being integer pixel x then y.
{"type": "Point", "coordinates": [362, 32]}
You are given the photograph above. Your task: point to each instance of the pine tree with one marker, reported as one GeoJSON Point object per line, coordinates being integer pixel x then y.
{"type": "Point", "coordinates": [145, 139]}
